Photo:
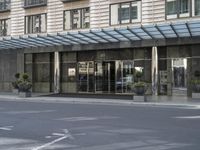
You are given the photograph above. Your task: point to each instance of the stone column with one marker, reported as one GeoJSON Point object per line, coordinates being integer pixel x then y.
{"type": "Point", "coordinates": [56, 72]}
{"type": "Point", "coordinates": [20, 61]}
{"type": "Point", "coordinates": [154, 70]}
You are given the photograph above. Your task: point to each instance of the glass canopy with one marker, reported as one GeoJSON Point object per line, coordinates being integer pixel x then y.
{"type": "Point", "coordinates": [106, 35]}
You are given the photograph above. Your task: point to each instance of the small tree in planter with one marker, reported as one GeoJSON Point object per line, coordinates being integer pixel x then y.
{"type": "Point", "coordinates": [139, 87]}
{"type": "Point", "coordinates": [25, 86]}
{"type": "Point", "coordinates": [15, 83]}
{"type": "Point", "coordinates": [196, 85]}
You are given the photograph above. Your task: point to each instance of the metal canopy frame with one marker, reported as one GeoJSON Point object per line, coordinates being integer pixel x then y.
{"type": "Point", "coordinates": [106, 35]}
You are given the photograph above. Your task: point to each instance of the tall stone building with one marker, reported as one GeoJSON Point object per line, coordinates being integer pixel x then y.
{"type": "Point", "coordinates": [96, 46]}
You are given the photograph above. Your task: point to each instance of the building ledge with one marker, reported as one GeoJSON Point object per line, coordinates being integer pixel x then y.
{"type": "Point", "coordinates": [67, 1]}
{"type": "Point", "coordinates": [34, 5]}
{"type": "Point", "coordinates": [5, 10]}
{"type": "Point", "coordinates": [31, 4]}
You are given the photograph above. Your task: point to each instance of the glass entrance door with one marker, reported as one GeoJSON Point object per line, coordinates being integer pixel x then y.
{"type": "Point", "coordinates": [124, 76]}
{"type": "Point", "coordinates": [86, 76]}
{"type": "Point", "coordinates": [179, 82]}
{"type": "Point", "coordinates": [105, 77]}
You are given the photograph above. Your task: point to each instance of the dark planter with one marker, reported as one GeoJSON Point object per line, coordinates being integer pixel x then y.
{"type": "Point", "coordinates": [139, 90]}
{"type": "Point", "coordinates": [24, 94]}
{"type": "Point", "coordinates": [15, 91]}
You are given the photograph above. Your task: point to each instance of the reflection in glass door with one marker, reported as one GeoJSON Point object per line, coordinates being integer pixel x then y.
{"type": "Point", "coordinates": [86, 76]}
{"type": "Point", "coordinates": [105, 77]}
{"type": "Point", "coordinates": [179, 68]}
{"type": "Point", "coordinates": [124, 76]}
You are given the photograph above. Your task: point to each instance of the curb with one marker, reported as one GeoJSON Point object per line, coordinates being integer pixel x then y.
{"type": "Point", "coordinates": [97, 101]}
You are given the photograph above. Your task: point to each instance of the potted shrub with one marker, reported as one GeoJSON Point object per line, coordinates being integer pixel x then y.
{"type": "Point", "coordinates": [196, 85]}
{"type": "Point", "coordinates": [25, 86]}
{"type": "Point", "coordinates": [139, 87]}
{"type": "Point", "coordinates": [15, 84]}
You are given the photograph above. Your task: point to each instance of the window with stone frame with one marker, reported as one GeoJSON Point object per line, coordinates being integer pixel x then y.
{"type": "Point", "coordinates": [126, 12]}
{"type": "Point", "coordinates": [35, 24]}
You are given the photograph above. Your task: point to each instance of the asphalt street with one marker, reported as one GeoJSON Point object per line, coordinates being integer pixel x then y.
{"type": "Point", "coordinates": [63, 126]}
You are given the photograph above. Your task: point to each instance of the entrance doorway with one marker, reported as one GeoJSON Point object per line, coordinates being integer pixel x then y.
{"type": "Point", "coordinates": [105, 77]}
{"type": "Point", "coordinates": [86, 76]}
{"type": "Point", "coordinates": [124, 76]}
{"type": "Point", "coordinates": [179, 80]}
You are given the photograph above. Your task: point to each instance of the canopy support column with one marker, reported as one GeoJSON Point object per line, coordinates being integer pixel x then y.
{"type": "Point", "coordinates": [56, 72]}
{"type": "Point", "coordinates": [154, 70]}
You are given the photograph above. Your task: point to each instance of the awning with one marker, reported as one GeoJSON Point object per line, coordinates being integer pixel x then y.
{"type": "Point", "coordinates": [106, 35]}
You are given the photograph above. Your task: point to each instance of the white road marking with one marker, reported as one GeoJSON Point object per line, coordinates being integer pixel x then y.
{"type": "Point", "coordinates": [63, 136]}
{"type": "Point", "coordinates": [58, 134]}
{"type": "Point", "coordinates": [51, 143]}
{"type": "Point", "coordinates": [6, 128]}
{"type": "Point", "coordinates": [188, 117]}
{"type": "Point", "coordinates": [29, 112]}
{"type": "Point", "coordinates": [73, 119]}
{"type": "Point", "coordinates": [48, 137]}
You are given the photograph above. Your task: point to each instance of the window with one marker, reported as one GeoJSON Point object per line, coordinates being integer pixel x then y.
{"type": "Point", "coordinates": [184, 10]}
{"type": "Point", "coordinates": [35, 23]}
{"type": "Point", "coordinates": [77, 19]}
{"type": "Point", "coordinates": [184, 6]}
{"type": "Point", "coordinates": [124, 13]}
{"type": "Point", "coordinates": [196, 8]}
{"type": "Point", "coordinates": [4, 5]}
{"type": "Point", "coordinates": [5, 27]}
{"type": "Point", "coordinates": [171, 7]}
{"type": "Point", "coordinates": [177, 8]}
{"type": "Point", "coordinates": [128, 12]}
{"type": "Point", "coordinates": [32, 3]}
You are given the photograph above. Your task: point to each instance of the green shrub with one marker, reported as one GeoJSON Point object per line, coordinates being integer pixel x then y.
{"type": "Point", "coordinates": [15, 83]}
{"type": "Point", "coordinates": [197, 73]}
{"type": "Point", "coordinates": [139, 84]}
{"type": "Point", "coordinates": [195, 85]}
{"type": "Point", "coordinates": [17, 75]}
{"type": "Point", "coordinates": [25, 76]}
{"type": "Point", "coordinates": [22, 82]}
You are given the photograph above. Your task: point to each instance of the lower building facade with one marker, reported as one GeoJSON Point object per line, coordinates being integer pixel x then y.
{"type": "Point", "coordinates": [105, 68]}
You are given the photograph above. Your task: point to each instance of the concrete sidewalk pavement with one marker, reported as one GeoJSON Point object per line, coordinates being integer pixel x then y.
{"type": "Point", "coordinates": [152, 101]}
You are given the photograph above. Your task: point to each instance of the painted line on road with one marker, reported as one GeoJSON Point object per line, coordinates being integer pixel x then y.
{"type": "Point", "coordinates": [188, 117]}
{"type": "Point", "coordinates": [82, 118]}
{"type": "Point", "coordinates": [29, 112]}
{"type": "Point", "coordinates": [63, 136]}
{"type": "Point", "coordinates": [73, 119]}
{"type": "Point", "coordinates": [51, 143]}
{"type": "Point", "coordinates": [6, 128]}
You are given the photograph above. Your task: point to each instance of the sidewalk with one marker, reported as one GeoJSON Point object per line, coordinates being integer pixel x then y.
{"type": "Point", "coordinates": [153, 101]}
